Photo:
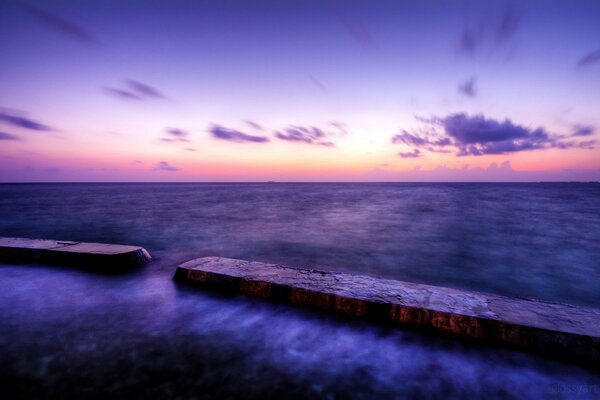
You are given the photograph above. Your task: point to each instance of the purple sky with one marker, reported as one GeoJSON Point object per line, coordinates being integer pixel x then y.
{"type": "Point", "coordinates": [299, 90]}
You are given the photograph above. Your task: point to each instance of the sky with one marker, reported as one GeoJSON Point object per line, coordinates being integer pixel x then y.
{"type": "Point", "coordinates": [252, 91]}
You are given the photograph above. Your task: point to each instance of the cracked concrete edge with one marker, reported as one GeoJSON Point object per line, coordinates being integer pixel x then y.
{"type": "Point", "coordinates": [551, 328]}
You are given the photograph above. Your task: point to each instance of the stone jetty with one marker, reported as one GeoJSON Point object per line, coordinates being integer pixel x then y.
{"type": "Point", "coordinates": [93, 255]}
{"type": "Point", "coordinates": [544, 327]}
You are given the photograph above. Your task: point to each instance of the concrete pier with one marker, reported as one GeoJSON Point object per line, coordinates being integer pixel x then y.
{"type": "Point", "coordinates": [96, 255]}
{"type": "Point", "coordinates": [550, 328]}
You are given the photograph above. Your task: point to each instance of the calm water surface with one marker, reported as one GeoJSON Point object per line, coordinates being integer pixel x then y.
{"type": "Point", "coordinates": [71, 334]}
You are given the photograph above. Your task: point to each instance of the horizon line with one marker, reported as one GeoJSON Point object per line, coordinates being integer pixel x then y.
{"type": "Point", "coordinates": [279, 182]}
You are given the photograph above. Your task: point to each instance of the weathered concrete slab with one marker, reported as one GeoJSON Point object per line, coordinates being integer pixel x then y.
{"type": "Point", "coordinates": [551, 328]}
{"type": "Point", "coordinates": [66, 252]}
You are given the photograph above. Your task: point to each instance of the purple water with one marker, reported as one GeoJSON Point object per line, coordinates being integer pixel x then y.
{"type": "Point", "coordinates": [71, 334]}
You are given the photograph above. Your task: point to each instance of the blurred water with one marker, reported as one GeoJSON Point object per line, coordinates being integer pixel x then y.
{"type": "Point", "coordinates": [76, 334]}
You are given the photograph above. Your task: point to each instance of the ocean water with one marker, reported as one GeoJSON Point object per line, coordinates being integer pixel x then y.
{"type": "Point", "coordinates": [69, 333]}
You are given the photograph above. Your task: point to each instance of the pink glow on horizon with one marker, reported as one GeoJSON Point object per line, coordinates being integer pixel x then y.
{"type": "Point", "coordinates": [291, 104]}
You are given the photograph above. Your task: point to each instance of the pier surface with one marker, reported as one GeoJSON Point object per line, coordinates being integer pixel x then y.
{"type": "Point", "coordinates": [99, 255]}
{"type": "Point", "coordinates": [551, 328]}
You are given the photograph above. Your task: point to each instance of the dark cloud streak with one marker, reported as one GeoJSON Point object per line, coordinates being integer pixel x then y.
{"type": "Point", "coordinates": [23, 122]}
{"type": "Point", "coordinates": [254, 125]}
{"type": "Point", "coordinates": [135, 90]}
{"type": "Point", "coordinates": [122, 94]}
{"type": "Point", "coordinates": [589, 59]}
{"type": "Point", "coordinates": [294, 133]}
{"type": "Point", "coordinates": [8, 136]}
{"type": "Point", "coordinates": [489, 33]}
{"type": "Point", "coordinates": [309, 135]}
{"type": "Point", "coordinates": [357, 30]}
{"type": "Point", "coordinates": [62, 26]}
{"type": "Point", "coordinates": [165, 166]}
{"type": "Point", "coordinates": [177, 132]}
{"type": "Point", "coordinates": [144, 90]}
{"type": "Point", "coordinates": [412, 154]}
{"type": "Point", "coordinates": [581, 130]}
{"type": "Point", "coordinates": [468, 87]}
{"type": "Point", "coordinates": [223, 133]}
{"type": "Point", "coordinates": [318, 83]}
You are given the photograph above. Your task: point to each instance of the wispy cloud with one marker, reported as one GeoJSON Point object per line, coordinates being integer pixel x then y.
{"type": "Point", "coordinates": [135, 90]}
{"type": "Point", "coordinates": [489, 32]}
{"type": "Point", "coordinates": [294, 133]}
{"type": "Point", "coordinates": [8, 136]}
{"type": "Point", "coordinates": [177, 132]}
{"type": "Point", "coordinates": [318, 83]}
{"type": "Point", "coordinates": [144, 90]}
{"type": "Point", "coordinates": [223, 133]}
{"type": "Point", "coordinates": [357, 30]}
{"type": "Point", "coordinates": [312, 134]}
{"type": "Point", "coordinates": [582, 130]}
{"type": "Point", "coordinates": [165, 166]}
{"type": "Point", "coordinates": [175, 135]}
{"type": "Point", "coordinates": [589, 59]}
{"type": "Point", "coordinates": [305, 134]}
{"type": "Point", "coordinates": [468, 87]}
{"type": "Point", "coordinates": [22, 122]}
{"type": "Point", "coordinates": [122, 94]}
{"type": "Point", "coordinates": [61, 25]}
{"type": "Point", "coordinates": [411, 154]}
{"type": "Point", "coordinates": [254, 125]}
{"type": "Point", "coordinates": [342, 128]}
{"type": "Point", "coordinates": [424, 139]}
{"type": "Point", "coordinates": [477, 135]}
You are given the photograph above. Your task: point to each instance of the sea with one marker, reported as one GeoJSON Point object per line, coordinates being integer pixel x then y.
{"type": "Point", "coordinates": [72, 333]}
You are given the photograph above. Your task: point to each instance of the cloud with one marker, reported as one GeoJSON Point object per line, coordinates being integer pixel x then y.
{"type": "Point", "coordinates": [468, 87]}
{"type": "Point", "coordinates": [135, 90]}
{"type": "Point", "coordinates": [254, 125]}
{"type": "Point", "coordinates": [8, 136]}
{"type": "Point", "coordinates": [62, 26]}
{"type": "Point", "coordinates": [429, 140]}
{"type": "Point", "coordinates": [310, 135]}
{"type": "Point", "coordinates": [190, 149]}
{"type": "Point", "coordinates": [22, 122]}
{"type": "Point", "coordinates": [318, 83]}
{"type": "Point", "coordinates": [469, 40]}
{"type": "Point", "coordinates": [177, 132]}
{"type": "Point", "coordinates": [477, 135]}
{"type": "Point", "coordinates": [582, 130]}
{"type": "Point", "coordinates": [144, 90]}
{"type": "Point", "coordinates": [165, 166]}
{"type": "Point", "coordinates": [342, 128]}
{"type": "Point", "coordinates": [220, 132]}
{"type": "Point", "coordinates": [122, 94]}
{"type": "Point", "coordinates": [136, 162]}
{"type": "Point", "coordinates": [294, 133]}
{"type": "Point", "coordinates": [588, 59]}
{"type": "Point", "coordinates": [178, 135]}
{"type": "Point", "coordinates": [507, 26]}
{"type": "Point", "coordinates": [411, 154]}
{"type": "Point", "coordinates": [489, 33]}
{"type": "Point", "coordinates": [357, 30]}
